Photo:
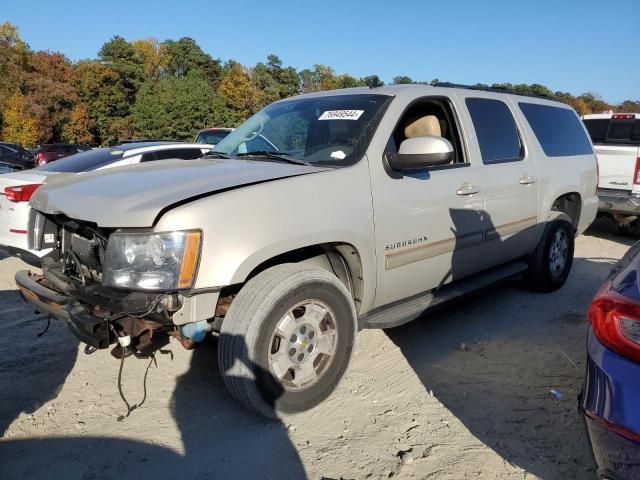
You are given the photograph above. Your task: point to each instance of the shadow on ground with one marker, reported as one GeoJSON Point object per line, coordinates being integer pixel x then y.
{"type": "Point", "coordinates": [220, 439]}
{"type": "Point", "coordinates": [495, 376]}
{"type": "Point", "coordinates": [35, 367]}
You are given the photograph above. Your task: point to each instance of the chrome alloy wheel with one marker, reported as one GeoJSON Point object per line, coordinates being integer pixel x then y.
{"type": "Point", "coordinates": [303, 345]}
{"type": "Point", "coordinates": [559, 253]}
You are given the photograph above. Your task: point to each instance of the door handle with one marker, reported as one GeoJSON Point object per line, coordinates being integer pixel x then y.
{"type": "Point", "coordinates": [527, 180]}
{"type": "Point", "coordinates": [467, 189]}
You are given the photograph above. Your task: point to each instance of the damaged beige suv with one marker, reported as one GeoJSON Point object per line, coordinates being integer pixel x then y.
{"type": "Point", "coordinates": [321, 215]}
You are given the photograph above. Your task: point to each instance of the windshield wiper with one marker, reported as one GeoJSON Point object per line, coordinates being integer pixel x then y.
{"type": "Point", "coordinates": [213, 154]}
{"type": "Point", "coordinates": [281, 156]}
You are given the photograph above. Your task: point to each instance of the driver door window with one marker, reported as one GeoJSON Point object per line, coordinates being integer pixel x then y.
{"type": "Point", "coordinates": [428, 117]}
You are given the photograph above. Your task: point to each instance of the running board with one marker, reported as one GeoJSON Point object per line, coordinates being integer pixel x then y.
{"type": "Point", "coordinates": [403, 311]}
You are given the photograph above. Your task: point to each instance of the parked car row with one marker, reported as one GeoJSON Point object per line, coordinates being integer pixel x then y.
{"type": "Point", "coordinates": [55, 151]}
{"type": "Point", "coordinates": [17, 188]}
{"type": "Point", "coordinates": [14, 157]}
{"type": "Point", "coordinates": [322, 215]}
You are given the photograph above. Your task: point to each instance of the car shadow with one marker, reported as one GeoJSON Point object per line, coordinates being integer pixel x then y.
{"type": "Point", "coordinates": [251, 447]}
{"type": "Point", "coordinates": [493, 361]}
{"type": "Point", "coordinates": [36, 366]}
{"type": "Point", "coordinates": [607, 228]}
{"type": "Point", "coordinates": [220, 439]}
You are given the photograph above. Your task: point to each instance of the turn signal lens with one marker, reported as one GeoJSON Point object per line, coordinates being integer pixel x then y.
{"type": "Point", "coordinates": [190, 260]}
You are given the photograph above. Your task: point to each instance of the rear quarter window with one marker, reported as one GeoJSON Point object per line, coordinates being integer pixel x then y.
{"type": "Point", "coordinates": [558, 130]}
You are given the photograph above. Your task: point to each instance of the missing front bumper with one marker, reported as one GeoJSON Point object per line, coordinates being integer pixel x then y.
{"type": "Point", "coordinates": [88, 328]}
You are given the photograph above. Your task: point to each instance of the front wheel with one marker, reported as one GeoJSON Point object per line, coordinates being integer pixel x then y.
{"type": "Point", "coordinates": [550, 263]}
{"type": "Point", "coordinates": [287, 339]}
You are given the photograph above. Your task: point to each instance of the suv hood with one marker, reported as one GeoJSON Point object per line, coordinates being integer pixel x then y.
{"type": "Point", "coordinates": [134, 196]}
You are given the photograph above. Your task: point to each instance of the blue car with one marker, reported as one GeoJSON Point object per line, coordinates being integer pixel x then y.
{"type": "Point", "coordinates": [610, 398]}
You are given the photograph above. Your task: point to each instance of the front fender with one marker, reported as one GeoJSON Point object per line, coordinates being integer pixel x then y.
{"type": "Point", "coordinates": [245, 227]}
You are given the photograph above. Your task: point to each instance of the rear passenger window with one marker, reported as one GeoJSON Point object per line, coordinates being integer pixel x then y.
{"type": "Point", "coordinates": [181, 153]}
{"type": "Point", "coordinates": [496, 130]}
{"type": "Point", "coordinates": [558, 130]}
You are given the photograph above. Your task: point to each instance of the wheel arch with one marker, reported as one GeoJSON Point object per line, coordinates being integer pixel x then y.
{"type": "Point", "coordinates": [569, 203]}
{"type": "Point", "coordinates": [343, 259]}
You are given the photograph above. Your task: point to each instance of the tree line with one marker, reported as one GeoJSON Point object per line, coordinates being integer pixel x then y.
{"type": "Point", "coordinates": [151, 89]}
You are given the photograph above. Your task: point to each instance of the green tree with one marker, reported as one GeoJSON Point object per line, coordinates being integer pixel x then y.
{"type": "Point", "coordinates": [402, 79]}
{"type": "Point", "coordinates": [99, 89]}
{"type": "Point", "coordinates": [186, 55]}
{"type": "Point", "coordinates": [121, 57]}
{"type": "Point", "coordinates": [177, 107]}
{"type": "Point", "coordinates": [628, 106]}
{"type": "Point", "coordinates": [348, 81]}
{"type": "Point", "coordinates": [372, 81]}
{"type": "Point", "coordinates": [320, 78]}
{"type": "Point", "coordinates": [275, 81]}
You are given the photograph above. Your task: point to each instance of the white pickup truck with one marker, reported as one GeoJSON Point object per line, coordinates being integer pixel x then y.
{"type": "Point", "coordinates": [616, 138]}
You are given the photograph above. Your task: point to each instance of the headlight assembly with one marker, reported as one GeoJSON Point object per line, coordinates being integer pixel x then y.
{"type": "Point", "coordinates": [152, 261]}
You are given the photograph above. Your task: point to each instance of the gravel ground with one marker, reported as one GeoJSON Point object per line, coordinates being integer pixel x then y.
{"type": "Point", "coordinates": [462, 392]}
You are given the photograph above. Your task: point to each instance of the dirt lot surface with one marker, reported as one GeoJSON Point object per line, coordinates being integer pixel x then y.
{"type": "Point", "coordinates": [462, 392]}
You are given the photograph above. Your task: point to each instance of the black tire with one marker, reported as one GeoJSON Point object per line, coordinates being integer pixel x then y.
{"type": "Point", "coordinates": [541, 276]}
{"type": "Point", "coordinates": [248, 329]}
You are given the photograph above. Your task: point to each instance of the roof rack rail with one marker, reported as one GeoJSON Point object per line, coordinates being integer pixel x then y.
{"type": "Point", "coordinates": [493, 89]}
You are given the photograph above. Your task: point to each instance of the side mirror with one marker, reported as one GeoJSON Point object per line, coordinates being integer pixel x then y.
{"type": "Point", "coordinates": [419, 153]}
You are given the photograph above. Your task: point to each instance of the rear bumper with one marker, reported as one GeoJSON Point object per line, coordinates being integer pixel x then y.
{"type": "Point", "coordinates": [611, 407]}
{"type": "Point", "coordinates": [622, 202]}
{"type": "Point", "coordinates": [88, 328]}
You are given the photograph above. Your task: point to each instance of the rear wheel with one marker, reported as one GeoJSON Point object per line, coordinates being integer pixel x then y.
{"type": "Point", "coordinates": [287, 339]}
{"type": "Point", "coordinates": [550, 263]}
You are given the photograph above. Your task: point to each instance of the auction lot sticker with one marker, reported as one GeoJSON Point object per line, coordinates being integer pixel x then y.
{"type": "Point", "coordinates": [341, 115]}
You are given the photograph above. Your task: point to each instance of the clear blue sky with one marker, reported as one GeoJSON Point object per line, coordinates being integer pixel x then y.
{"type": "Point", "coordinates": [568, 45]}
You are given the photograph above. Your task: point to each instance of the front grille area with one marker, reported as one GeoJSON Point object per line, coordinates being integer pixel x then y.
{"type": "Point", "coordinates": [82, 254]}
{"type": "Point", "coordinates": [90, 252]}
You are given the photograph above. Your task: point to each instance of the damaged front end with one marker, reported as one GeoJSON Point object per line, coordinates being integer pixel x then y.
{"type": "Point", "coordinates": [80, 284]}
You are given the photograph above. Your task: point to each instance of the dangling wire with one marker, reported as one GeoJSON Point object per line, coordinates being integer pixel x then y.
{"type": "Point", "coordinates": [46, 329]}
{"type": "Point", "coordinates": [144, 384]}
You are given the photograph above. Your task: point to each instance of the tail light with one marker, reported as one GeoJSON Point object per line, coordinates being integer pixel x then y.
{"type": "Point", "coordinates": [21, 193]}
{"type": "Point", "coordinates": [615, 320]}
{"type": "Point", "coordinates": [622, 116]}
{"type": "Point", "coordinates": [636, 174]}
{"type": "Point", "coordinates": [40, 158]}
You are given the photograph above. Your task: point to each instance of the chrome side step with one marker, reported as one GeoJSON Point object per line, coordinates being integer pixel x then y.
{"type": "Point", "coordinates": [403, 311]}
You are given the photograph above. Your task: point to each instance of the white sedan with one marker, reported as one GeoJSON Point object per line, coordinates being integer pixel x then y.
{"type": "Point", "coordinates": [16, 188]}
